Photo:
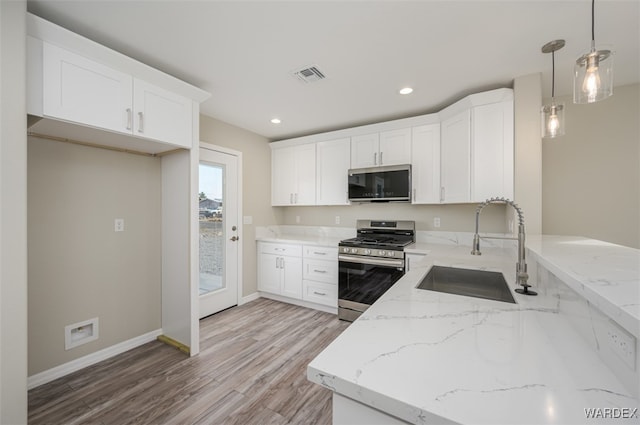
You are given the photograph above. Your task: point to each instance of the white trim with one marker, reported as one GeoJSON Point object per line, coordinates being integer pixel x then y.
{"type": "Point", "coordinates": [90, 359]}
{"type": "Point", "coordinates": [249, 298]}
{"type": "Point", "coordinates": [301, 303]}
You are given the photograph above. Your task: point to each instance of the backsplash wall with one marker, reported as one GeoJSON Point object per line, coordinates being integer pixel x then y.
{"type": "Point", "coordinates": [453, 217]}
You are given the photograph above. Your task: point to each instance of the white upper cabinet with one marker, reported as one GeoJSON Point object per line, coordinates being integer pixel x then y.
{"type": "Point", "coordinates": [332, 165]}
{"type": "Point", "coordinates": [364, 150]}
{"type": "Point", "coordinates": [293, 175]}
{"type": "Point", "coordinates": [72, 88]}
{"type": "Point", "coordinates": [425, 164]}
{"type": "Point", "coordinates": [384, 148]}
{"type": "Point", "coordinates": [83, 91]}
{"type": "Point", "coordinates": [455, 158]}
{"type": "Point", "coordinates": [492, 144]}
{"type": "Point", "coordinates": [395, 147]}
{"type": "Point", "coordinates": [161, 115]}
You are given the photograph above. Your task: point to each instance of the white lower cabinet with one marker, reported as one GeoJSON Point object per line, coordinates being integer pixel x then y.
{"type": "Point", "coordinates": [280, 269]}
{"type": "Point", "coordinates": [308, 273]}
{"type": "Point", "coordinates": [320, 274]}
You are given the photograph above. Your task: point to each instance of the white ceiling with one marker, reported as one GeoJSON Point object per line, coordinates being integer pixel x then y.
{"type": "Point", "coordinates": [243, 53]}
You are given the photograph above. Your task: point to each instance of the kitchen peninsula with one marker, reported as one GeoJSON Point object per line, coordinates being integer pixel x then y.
{"type": "Point", "coordinates": [418, 356]}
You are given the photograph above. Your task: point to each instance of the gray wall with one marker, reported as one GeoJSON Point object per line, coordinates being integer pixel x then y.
{"type": "Point", "coordinates": [591, 175]}
{"type": "Point", "coordinates": [256, 186]}
{"type": "Point", "coordinates": [13, 214]}
{"type": "Point", "coordinates": [455, 217]}
{"type": "Point", "coordinates": [79, 267]}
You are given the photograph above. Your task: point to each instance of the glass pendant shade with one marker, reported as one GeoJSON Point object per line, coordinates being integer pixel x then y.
{"type": "Point", "coordinates": [552, 120]}
{"type": "Point", "coordinates": [593, 76]}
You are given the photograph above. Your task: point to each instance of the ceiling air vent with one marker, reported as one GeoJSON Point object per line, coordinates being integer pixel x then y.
{"type": "Point", "coordinates": [310, 74]}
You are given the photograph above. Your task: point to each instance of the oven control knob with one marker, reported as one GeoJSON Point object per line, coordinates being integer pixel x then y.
{"type": "Point", "coordinates": [367, 252]}
{"type": "Point", "coordinates": [354, 250]}
{"type": "Point", "coordinates": [382, 253]}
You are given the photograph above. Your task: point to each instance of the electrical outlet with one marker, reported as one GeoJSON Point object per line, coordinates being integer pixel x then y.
{"type": "Point", "coordinates": [119, 225]}
{"type": "Point", "coordinates": [623, 344]}
{"type": "Point", "coordinates": [337, 219]}
{"type": "Point", "coordinates": [298, 219]}
{"type": "Point", "coordinates": [436, 221]}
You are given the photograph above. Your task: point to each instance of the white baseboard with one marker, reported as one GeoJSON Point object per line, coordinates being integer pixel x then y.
{"type": "Point", "coordinates": [90, 359]}
{"type": "Point", "coordinates": [249, 298]}
{"type": "Point", "coordinates": [301, 303]}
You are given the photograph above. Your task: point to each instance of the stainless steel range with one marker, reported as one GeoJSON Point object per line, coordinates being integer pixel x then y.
{"type": "Point", "coordinates": [371, 263]}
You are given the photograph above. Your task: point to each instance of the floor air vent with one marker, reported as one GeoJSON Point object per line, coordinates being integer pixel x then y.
{"type": "Point", "coordinates": [310, 74]}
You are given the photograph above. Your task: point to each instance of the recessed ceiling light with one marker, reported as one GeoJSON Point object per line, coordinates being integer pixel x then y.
{"type": "Point", "coordinates": [405, 90]}
{"type": "Point", "coordinates": [275, 121]}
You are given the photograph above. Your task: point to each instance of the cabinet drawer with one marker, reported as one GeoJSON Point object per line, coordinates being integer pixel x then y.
{"type": "Point", "coordinates": [320, 293]}
{"type": "Point", "coordinates": [321, 252]}
{"type": "Point", "coordinates": [281, 249]}
{"type": "Point", "coordinates": [321, 270]}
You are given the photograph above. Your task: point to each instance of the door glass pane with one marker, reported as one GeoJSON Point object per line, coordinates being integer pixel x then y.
{"type": "Point", "coordinates": [211, 227]}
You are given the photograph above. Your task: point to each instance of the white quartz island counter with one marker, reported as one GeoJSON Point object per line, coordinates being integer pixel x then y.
{"type": "Point", "coordinates": [427, 357]}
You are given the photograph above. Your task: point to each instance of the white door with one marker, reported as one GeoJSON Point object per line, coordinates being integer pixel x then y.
{"type": "Point", "coordinates": [219, 218]}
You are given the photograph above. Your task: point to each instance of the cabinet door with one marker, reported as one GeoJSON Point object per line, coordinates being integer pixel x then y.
{"type": "Point", "coordinates": [162, 115]}
{"type": "Point", "coordinates": [269, 273]}
{"type": "Point", "coordinates": [333, 159]}
{"type": "Point", "coordinates": [83, 91]}
{"type": "Point", "coordinates": [492, 151]}
{"type": "Point", "coordinates": [305, 165]}
{"type": "Point", "coordinates": [364, 150]}
{"type": "Point", "coordinates": [455, 158]}
{"type": "Point", "coordinates": [425, 164]}
{"type": "Point", "coordinates": [283, 176]}
{"type": "Point", "coordinates": [292, 277]}
{"type": "Point", "coordinates": [395, 147]}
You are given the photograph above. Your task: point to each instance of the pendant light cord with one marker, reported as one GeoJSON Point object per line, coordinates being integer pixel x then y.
{"type": "Point", "coordinates": [553, 74]}
{"type": "Point", "coordinates": [593, 19]}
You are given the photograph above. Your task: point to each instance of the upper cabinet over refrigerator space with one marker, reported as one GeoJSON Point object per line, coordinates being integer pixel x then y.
{"type": "Point", "coordinates": [86, 91]}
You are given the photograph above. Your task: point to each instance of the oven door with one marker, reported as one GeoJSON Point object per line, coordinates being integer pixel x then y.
{"type": "Point", "coordinates": [362, 280]}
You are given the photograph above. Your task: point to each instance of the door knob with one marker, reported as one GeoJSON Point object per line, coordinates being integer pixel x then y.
{"type": "Point", "coordinates": [234, 238]}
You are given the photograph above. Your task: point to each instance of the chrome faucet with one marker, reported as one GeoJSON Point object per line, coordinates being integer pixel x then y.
{"type": "Point", "coordinates": [521, 266]}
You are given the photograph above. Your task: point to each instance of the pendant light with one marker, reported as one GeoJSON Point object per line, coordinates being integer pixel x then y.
{"type": "Point", "coordinates": [593, 72]}
{"type": "Point", "coordinates": [553, 115]}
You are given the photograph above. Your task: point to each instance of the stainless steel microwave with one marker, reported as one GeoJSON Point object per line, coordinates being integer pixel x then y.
{"type": "Point", "coordinates": [380, 184]}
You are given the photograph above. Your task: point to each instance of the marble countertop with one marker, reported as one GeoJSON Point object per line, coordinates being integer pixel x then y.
{"type": "Point", "coordinates": [430, 357]}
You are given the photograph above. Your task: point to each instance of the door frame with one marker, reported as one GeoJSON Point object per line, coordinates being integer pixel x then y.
{"type": "Point", "coordinates": [238, 154]}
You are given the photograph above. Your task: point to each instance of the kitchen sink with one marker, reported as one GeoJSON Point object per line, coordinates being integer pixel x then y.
{"type": "Point", "coordinates": [471, 283]}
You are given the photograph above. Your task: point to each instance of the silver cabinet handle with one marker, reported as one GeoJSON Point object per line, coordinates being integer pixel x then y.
{"type": "Point", "coordinates": [291, 198]}
{"type": "Point", "coordinates": [381, 158]}
{"type": "Point", "coordinates": [279, 249]}
{"type": "Point", "coordinates": [129, 118]}
{"type": "Point", "coordinates": [375, 158]}
{"type": "Point", "coordinates": [277, 262]}
{"type": "Point", "coordinates": [414, 193]}
{"type": "Point", "coordinates": [295, 198]}
{"type": "Point", "coordinates": [319, 253]}
{"type": "Point", "coordinates": [282, 263]}
{"type": "Point", "coordinates": [408, 265]}
{"type": "Point", "coordinates": [319, 271]}
{"type": "Point", "coordinates": [319, 293]}
{"type": "Point", "coordinates": [442, 194]}
{"type": "Point", "coordinates": [140, 122]}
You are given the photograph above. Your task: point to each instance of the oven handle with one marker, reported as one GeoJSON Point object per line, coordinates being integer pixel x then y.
{"type": "Point", "coordinates": [386, 262]}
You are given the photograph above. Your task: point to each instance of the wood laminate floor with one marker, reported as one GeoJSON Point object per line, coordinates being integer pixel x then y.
{"type": "Point", "coordinates": [251, 370]}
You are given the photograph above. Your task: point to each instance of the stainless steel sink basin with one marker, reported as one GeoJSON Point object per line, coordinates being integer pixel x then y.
{"type": "Point", "coordinates": [471, 283]}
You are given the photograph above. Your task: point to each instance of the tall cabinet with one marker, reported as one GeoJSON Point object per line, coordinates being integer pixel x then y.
{"type": "Point", "coordinates": [83, 92]}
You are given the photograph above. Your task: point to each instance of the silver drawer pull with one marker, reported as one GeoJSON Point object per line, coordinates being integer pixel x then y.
{"type": "Point", "coordinates": [319, 271]}
{"type": "Point", "coordinates": [319, 253]}
{"type": "Point", "coordinates": [319, 293]}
